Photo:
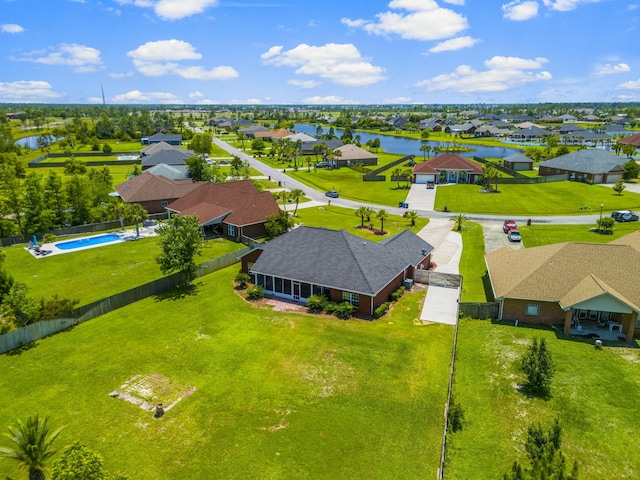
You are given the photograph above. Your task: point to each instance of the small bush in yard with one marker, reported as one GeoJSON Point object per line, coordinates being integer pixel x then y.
{"type": "Point", "coordinates": [344, 310]}
{"type": "Point", "coordinates": [329, 307]}
{"type": "Point", "coordinates": [49, 238]}
{"type": "Point", "coordinates": [315, 303]}
{"type": "Point", "coordinates": [397, 294]}
{"type": "Point", "coordinates": [255, 293]}
{"type": "Point", "coordinates": [242, 279]}
{"type": "Point", "coordinates": [381, 310]}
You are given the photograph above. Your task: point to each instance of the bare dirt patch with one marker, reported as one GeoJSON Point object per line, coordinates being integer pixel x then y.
{"type": "Point", "coordinates": [147, 391]}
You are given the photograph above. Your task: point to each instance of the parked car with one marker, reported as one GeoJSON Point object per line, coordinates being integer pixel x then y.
{"type": "Point", "coordinates": [514, 236]}
{"type": "Point", "coordinates": [509, 225]}
{"type": "Point", "coordinates": [332, 194]}
{"type": "Point", "coordinates": [431, 185]}
{"type": "Point", "coordinates": [624, 216]}
{"type": "Point", "coordinates": [322, 165]}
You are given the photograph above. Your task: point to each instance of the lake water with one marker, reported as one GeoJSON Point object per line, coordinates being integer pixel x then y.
{"type": "Point", "coordinates": [32, 141]}
{"type": "Point", "coordinates": [410, 146]}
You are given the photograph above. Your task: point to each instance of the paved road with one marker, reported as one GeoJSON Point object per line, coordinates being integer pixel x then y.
{"type": "Point", "coordinates": [291, 183]}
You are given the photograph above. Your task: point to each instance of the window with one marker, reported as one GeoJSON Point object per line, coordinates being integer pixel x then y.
{"type": "Point", "coordinates": [278, 285]}
{"type": "Point", "coordinates": [305, 290]}
{"type": "Point", "coordinates": [268, 283]}
{"type": "Point", "coordinates": [533, 309]}
{"type": "Point", "coordinates": [287, 287]}
{"type": "Point", "coordinates": [352, 298]}
{"type": "Point", "coordinates": [231, 230]}
{"type": "Point", "coordinates": [164, 204]}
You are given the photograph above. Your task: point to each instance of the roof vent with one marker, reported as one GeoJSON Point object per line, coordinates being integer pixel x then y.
{"type": "Point", "coordinates": [424, 251]}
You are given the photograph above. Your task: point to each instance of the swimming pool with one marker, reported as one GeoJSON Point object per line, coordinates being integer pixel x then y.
{"type": "Point", "coordinates": [89, 241]}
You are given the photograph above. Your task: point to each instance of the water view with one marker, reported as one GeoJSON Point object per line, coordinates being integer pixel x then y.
{"type": "Point", "coordinates": [410, 146]}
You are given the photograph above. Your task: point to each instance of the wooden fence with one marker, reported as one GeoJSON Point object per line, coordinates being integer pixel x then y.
{"type": "Point", "coordinates": [374, 176]}
{"type": "Point", "coordinates": [38, 330]}
{"type": "Point", "coordinates": [479, 311]}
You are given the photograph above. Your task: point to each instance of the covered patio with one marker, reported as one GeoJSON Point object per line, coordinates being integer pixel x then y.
{"type": "Point", "coordinates": [603, 317]}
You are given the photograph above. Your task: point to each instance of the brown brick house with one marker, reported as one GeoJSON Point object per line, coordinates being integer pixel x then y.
{"type": "Point", "coordinates": [153, 192]}
{"type": "Point", "coordinates": [573, 285]}
{"type": "Point", "coordinates": [317, 261]}
{"type": "Point", "coordinates": [447, 168]}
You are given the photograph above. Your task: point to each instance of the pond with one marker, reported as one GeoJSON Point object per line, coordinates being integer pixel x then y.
{"type": "Point", "coordinates": [411, 146]}
{"type": "Point", "coordinates": [32, 141]}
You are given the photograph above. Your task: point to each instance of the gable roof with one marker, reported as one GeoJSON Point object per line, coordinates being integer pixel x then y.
{"type": "Point", "coordinates": [173, 172]}
{"type": "Point", "coordinates": [280, 133]}
{"type": "Point", "coordinates": [448, 161]}
{"type": "Point", "coordinates": [588, 160]}
{"type": "Point", "coordinates": [147, 187]}
{"type": "Point", "coordinates": [239, 202]}
{"type": "Point", "coordinates": [518, 158]}
{"type": "Point", "coordinates": [568, 273]}
{"type": "Point", "coordinates": [347, 262]}
{"type": "Point", "coordinates": [168, 157]}
{"type": "Point", "coordinates": [631, 139]}
{"type": "Point", "coordinates": [156, 147]}
{"type": "Point", "coordinates": [164, 137]}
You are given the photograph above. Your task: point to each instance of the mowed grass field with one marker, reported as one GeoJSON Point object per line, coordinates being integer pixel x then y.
{"type": "Point", "coordinates": [557, 198]}
{"type": "Point", "coordinates": [594, 395]}
{"type": "Point", "coordinates": [89, 275]}
{"type": "Point", "coordinates": [279, 396]}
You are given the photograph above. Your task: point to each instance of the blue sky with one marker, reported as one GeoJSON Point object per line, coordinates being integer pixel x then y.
{"type": "Point", "coordinates": [319, 52]}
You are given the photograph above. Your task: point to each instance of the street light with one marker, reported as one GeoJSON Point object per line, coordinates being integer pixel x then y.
{"type": "Point", "coordinates": [600, 221]}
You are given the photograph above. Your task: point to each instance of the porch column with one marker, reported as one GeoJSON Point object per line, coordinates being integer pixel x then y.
{"type": "Point", "coordinates": [632, 326]}
{"type": "Point", "coordinates": [567, 321]}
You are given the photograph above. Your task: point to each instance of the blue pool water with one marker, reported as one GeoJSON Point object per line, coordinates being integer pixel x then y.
{"type": "Point", "coordinates": [88, 242]}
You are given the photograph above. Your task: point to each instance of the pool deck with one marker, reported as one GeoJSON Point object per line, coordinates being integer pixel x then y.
{"type": "Point", "coordinates": [50, 249]}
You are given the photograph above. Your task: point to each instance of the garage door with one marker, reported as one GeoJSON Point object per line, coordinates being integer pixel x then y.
{"type": "Point", "coordinates": [422, 179]}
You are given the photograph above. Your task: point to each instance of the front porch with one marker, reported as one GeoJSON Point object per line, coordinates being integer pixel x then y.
{"type": "Point", "coordinates": [600, 324]}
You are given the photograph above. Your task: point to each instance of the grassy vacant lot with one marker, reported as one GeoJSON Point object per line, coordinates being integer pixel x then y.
{"type": "Point", "coordinates": [557, 198]}
{"type": "Point", "coordinates": [594, 395]}
{"type": "Point", "coordinates": [90, 275]}
{"type": "Point", "coordinates": [337, 218]}
{"type": "Point", "coordinates": [279, 396]}
{"type": "Point", "coordinates": [536, 235]}
{"type": "Point", "coordinates": [472, 266]}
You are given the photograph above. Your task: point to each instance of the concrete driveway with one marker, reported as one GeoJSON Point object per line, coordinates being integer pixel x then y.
{"type": "Point", "coordinates": [495, 238]}
{"type": "Point", "coordinates": [421, 198]}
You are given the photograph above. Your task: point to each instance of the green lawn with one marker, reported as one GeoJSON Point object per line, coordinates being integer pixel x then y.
{"type": "Point", "coordinates": [279, 396]}
{"type": "Point", "coordinates": [90, 275]}
{"type": "Point", "coordinates": [472, 266]}
{"type": "Point", "coordinates": [536, 235]}
{"type": "Point", "coordinates": [338, 218]}
{"type": "Point", "coordinates": [594, 395]}
{"type": "Point", "coordinates": [554, 198]}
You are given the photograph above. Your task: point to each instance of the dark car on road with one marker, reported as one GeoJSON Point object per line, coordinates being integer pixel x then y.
{"type": "Point", "coordinates": [624, 216]}
{"type": "Point", "coordinates": [332, 194]}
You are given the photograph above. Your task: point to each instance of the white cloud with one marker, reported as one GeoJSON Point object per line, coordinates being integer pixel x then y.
{"type": "Point", "coordinates": [397, 100]}
{"type": "Point", "coordinates": [304, 83]}
{"type": "Point", "coordinates": [339, 63]}
{"type": "Point", "coordinates": [503, 73]}
{"type": "Point", "coordinates": [83, 59]}
{"type": "Point", "coordinates": [29, 91]}
{"type": "Point", "coordinates": [426, 20]}
{"type": "Point", "coordinates": [120, 76]}
{"type": "Point", "coordinates": [12, 28]}
{"type": "Point", "coordinates": [454, 44]}
{"type": "Point", "coordinates": [630, 85]}
{"type": "Point", "coordinates": [455, 2]}
{"type": "Point", "coordinates": [199, 98]}
{"type": "Point", "coordinates": [160, 58]}
{"type": "Point", "coordinates": [136, 96]}
{"type": "Point", "coordinates": [609, 69]}
{"type": "Point", "coordinates": [248, 101]}
{"type": "Point", "coordinates": [196, 95]}
{"type": "Point", "coordinates": [520, 10]}
{"type": "Point", "coordinates": [566, 5]}
{"type": "Point", "coordinates": [172, 9]}
{"type": "Point", "coordinates": [328, 100]}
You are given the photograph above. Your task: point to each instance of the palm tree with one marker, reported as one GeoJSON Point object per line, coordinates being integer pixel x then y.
{"type": "Point", "coordinates": [363, 212]}
{"type": "Point", "coordinates": [424, 149]}
{"type": "Point", "coordinates": [382, 216]}
{"type": "Point", "coordinates": [459, 220]}
{"type": "Point", "coordinates": [295, 195]}
{"type": "Point", "coordinates": [284, 195]}
{"type": "Point", "coordinates": [412, 215]}
{"type": "Point", "coordinates": [133, 212]}
{"type": "Point", "coordinates": [397, 172]}
{"type": "Point", "coordinates": [32, 445]}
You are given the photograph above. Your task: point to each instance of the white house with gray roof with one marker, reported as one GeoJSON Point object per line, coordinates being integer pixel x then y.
{"type": "Point", "coordinates": [587, 165]}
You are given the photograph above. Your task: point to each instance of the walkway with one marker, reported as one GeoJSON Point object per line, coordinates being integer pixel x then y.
{"type": "Point", "coordinates": [441, 303]}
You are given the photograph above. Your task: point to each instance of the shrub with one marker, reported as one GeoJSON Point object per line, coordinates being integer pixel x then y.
{"type": "Point", "coordinates": [255, 293]}
{"type": "Point", "coordinates": [329, 307]}
{"type": "Point", "coordinates": [381, 310]}
{"type": "Point", "coordinates": [315, 303]}
{"type": "Point", "coordinates": [49, 238]}
{"type": "Point", "coordinates": [242, 279]}
{"type": "Point", "coordinates": [106, 148]}
{"type": "Point", "coordinates": [538, 367]}
{"type": "Point", "coordinates": [455, 416]}
{"type": "Point", "coordinates": [397, 294]}
{"type": "Point", "coordinates": [344, 310]}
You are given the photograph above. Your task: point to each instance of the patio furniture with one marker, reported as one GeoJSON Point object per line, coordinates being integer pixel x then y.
{"type": "Point", "coordinates": [615, 325]}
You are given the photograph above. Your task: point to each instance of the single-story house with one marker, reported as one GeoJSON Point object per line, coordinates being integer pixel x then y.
{"type": "Point", "coordinates": [351, 154]}
{"type": "Point", "coordinates": [273, 134]}
{"type": "Point", "coordinates": [153, 192]}
{"type": "Point", "coordinates": [631, 140]}
{"type": "Point", "coordinates": [570, 284]}
{"type": "Point", "coordinates": [317, 261]}
{"type": "Point", "coordinates": [303, 137]}
{"type": "Point", "coordinates": [159, 146]}
{"type": "Point", "coordinates": [168, 157]}
{"type": "Point", "coordinates": [233, 209]}
{"type": "Point", "coordinates": [171, 139]}
{"type": "Point", "coordinates": [251, 131]}
{"type": "Point", "coordinates": [518, 161]}
{"type": "Point", "coordinates": [589, 164]}
{"type": "Point", "coordinates": [173, 172]}
{"type": "Point", "coordinates": [461, 128]}
{"type": "Point", "coordinates": [530, 133]}
{"type": "Point", "coordinates": [447, 168]}
{"type": "Point", "coordinates": [306, 148]}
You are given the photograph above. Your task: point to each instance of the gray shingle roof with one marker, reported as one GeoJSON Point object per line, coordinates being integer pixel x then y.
{"type": "Point", "coordinates": [337, 259]}
{"type": "Point", "coordinates": [589, 160]}
{"type": "Point", "coordinates": [168, 157]}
